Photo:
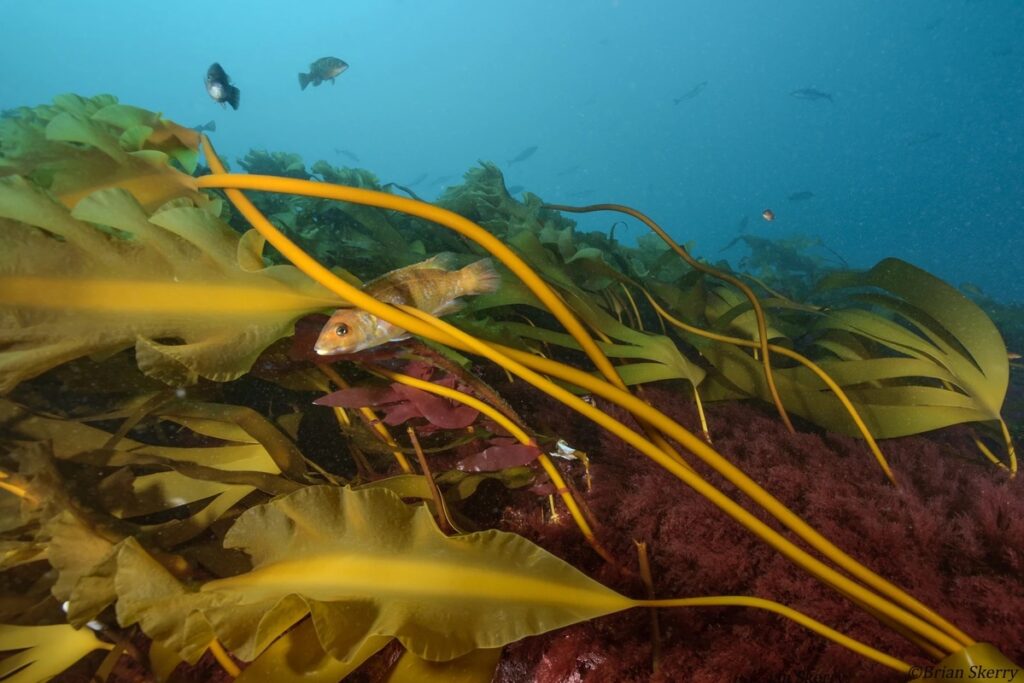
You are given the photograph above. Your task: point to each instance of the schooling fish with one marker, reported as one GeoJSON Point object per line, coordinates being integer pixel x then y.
{"type": "Point", "coordinates": [691, 93]}
{"type": "Point", "coordinates": [524, 155]}
{"type": "Point", "coordinates": [323, 69]}
{"type": "Point", "coordinates": [218, 85]}
{"type": "Point", "coordinates": [811, 94]}
{"type": "Point", "coordinates": [429, 286]}
{"type": "Point", "coordinates": [350, 155]}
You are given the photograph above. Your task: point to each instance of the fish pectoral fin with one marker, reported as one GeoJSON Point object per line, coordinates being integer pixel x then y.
{"type": "Point", "coordinates": [453, 306]}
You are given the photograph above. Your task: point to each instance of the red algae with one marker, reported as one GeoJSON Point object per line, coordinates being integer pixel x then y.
{"type": "Point", "coordinates": [952, 535]}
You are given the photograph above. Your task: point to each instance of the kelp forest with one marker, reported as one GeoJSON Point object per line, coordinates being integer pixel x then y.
{"type": "Point", "coordinates": [625, 464]}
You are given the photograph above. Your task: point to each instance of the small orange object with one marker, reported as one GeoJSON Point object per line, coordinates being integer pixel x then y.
{"type": "Point", "coordinates": [768, 215]}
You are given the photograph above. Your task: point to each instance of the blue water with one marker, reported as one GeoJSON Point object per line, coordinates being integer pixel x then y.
{"type": "Point", "coordinates": [920, 155]}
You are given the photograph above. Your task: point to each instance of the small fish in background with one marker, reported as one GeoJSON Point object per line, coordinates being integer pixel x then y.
{"type": "Point", "coordinates": [323, 69]}
{"type": "Point", "coordinates": [208, 126]}
{"type": "Point", "coordinates": [768, 215]}
{"type": "Point", "coordinates": [346, 153]}
{"type": "Point", "coordinates": [419, 179]}
{"type": "Point", "coordinates": [691, 93]}
{"type": "Point", "coordinates": [811, 94]}
{"type": "Point", "coordinates": [515, 189]}
{"type": "Point", "coordinates": [802, 196]}
{"type": "Point", "coordinates": [524, 155]}
{"type": "Point", "coordinates": [923, 138]}
{"type": "Point", "coordinates": [741, 227]}
{"type": "Point", "coordinates": [219, 87]}
{"type": "Point", "coordinates": [430, 286]}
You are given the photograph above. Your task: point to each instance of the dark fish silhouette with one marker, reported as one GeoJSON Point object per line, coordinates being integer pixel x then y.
{"type": "Point", "coordinates": [419, 179]}
{"type": "Point", "coordinates": [218, 85]}
{"type": "Point", "coordinates": [323, 69]}
{"type": "Point", "coordinates": [208, 126]}
{"type": "Point", "coordinates": [691, 93]}
{"type": "Point", "coordinates": [802, 196]}
{"type": "Point", "coordinates": [345, 152]}
{"type": "Point", "coordinates": [924, 138]}
{"type": "Point", "coordinates": [811, 94]}
{"type": "Point", "coordinates": [524, 155]}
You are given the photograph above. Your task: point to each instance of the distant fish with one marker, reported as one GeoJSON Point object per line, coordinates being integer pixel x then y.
{"type": "Point", "coordinates": [768, 215]}
{"type": "Point", "coordinates": [691, 93]}
{"type": "Point", "coordinates": [524, 155]}
{"type": "Point", "coordinates": [323, 69]}
{"type": "Point", "coordinates": [345, 152]}
{"type": "Point", "coordinates": [811, 94]}
{"type": "Point", "coordinates": [208, 126]}
{"type": "Point", "coordinates": [567, 171]}
{"type": "Point", "coordinates": [218, 85]}
{"type": "Point", "coordinates": [419, 179]}
{"type": "Point", "coordinates": [741, 227]}
{"type": "Point", "coordinates": [923, 139]}
{"type": "Point", "coordinates": [515, 189]}
{"type": "Point", "coordinates": [802, 196]}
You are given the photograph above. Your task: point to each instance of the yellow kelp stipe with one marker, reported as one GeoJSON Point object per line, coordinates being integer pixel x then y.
{"type": "Point", "coordinates": [762, 326]}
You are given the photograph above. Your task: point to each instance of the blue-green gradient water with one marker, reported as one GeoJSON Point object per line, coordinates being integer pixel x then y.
{"type": "Point", "coordinates": [919, 154]}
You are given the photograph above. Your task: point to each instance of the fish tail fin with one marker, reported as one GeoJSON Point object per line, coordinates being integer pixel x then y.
{"type": "Point", "coordinates": [211, 126]}
{"type": "Point", "coordinates": [304, 80]}
{"type": "Point", "coordinates": [233, 95]}
{"type": "Point", "coordinates": [480, 277]}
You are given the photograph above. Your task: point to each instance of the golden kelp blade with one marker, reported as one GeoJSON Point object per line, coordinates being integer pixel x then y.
{"type": "Point", "coordinates": [120, 277]}
{"type": "Point", "coordinates": [46, 650]}
{"type": "Point", "coordinates": [364, 565]}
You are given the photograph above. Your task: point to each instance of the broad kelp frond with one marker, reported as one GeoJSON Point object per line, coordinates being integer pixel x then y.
{"type": "Point", "coordinates": [77, 146]}
{"type": "Point", "coordinates": [190, 294]}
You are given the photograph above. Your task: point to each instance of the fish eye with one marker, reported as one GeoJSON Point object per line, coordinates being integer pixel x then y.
{"type": "Point", "coordinates": [341, 330]}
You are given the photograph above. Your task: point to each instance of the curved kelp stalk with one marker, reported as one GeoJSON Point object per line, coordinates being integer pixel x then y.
{"type": "Point", "coordinates": [762, 326]}
{"type": "Point", "coordinates": [414, 321]}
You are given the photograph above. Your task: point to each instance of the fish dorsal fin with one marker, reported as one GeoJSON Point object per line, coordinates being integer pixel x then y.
{"type": "Point", "coordinates": [443, 261]}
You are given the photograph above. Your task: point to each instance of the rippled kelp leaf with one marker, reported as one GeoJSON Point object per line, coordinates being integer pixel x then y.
{"type": "Point", "coordinates": [220, 475]}
{"type": "Point", "coordinates": [79, 145]}
{"type": "Point", "coordinates": [912, 353]}
{"type": "Point", "coordinates": [365, 565]}
{"type": "Point", "coordinates": [109, 276]}
{"type": "Point", "coordinates": [45, 650]}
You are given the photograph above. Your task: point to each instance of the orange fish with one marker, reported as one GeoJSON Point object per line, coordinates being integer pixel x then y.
{"type": "Point", "coordinates": [768, 215]}
{"type": "Point", "coordinates": [429, 286]}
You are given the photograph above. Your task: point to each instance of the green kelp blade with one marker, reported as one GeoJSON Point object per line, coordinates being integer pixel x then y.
{"type": "Point", "coordinates": [365, 565]}
{"type": "Point", "coordinates": [46, 651]}
{"type": "Point", "coordinates": [174, 277]}
{"type": "Point", "coordinates": [968, 341]}
{"type": "Point", "coordinates": [296, 657]}
{"type": "Point", "coordinates": [477, 666]}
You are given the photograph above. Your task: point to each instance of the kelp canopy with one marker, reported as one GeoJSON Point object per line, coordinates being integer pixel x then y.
{"type": "Point", "coordinates": [143, 484]}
